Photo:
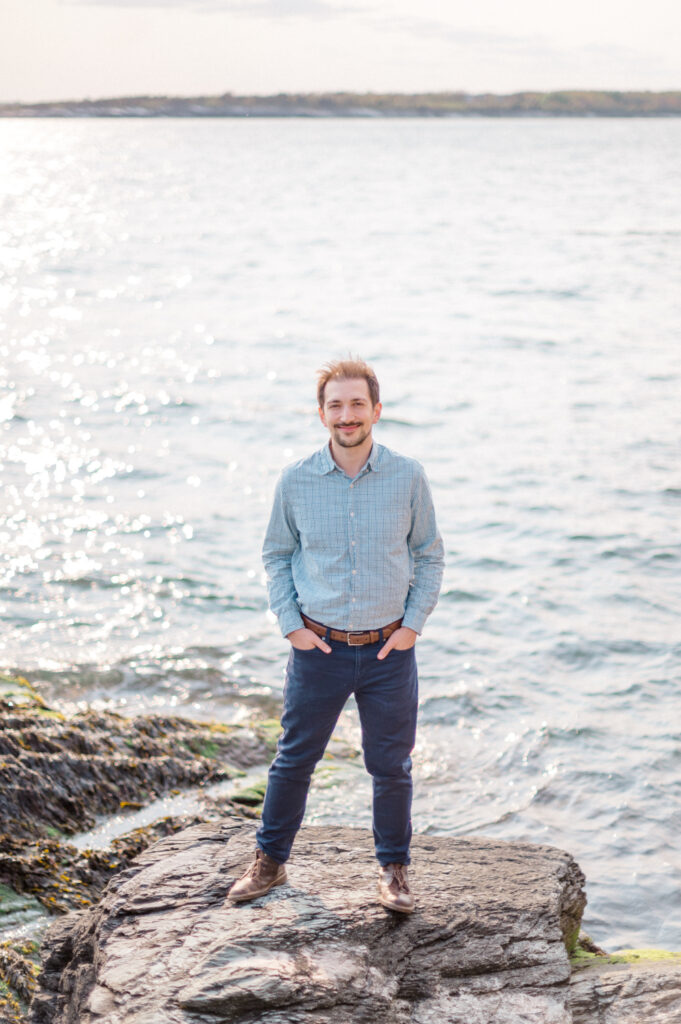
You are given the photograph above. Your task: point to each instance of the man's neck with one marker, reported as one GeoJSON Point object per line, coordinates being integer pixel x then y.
{"type": "Point", "coordinates": [351, 460]}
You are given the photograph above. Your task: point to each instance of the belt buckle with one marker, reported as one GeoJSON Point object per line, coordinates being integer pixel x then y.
{"type": "Point", "coordinates": [355, 643]}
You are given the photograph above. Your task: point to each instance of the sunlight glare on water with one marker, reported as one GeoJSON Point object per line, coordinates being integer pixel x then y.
{"type": "Point", "coordinates": [169, 288]}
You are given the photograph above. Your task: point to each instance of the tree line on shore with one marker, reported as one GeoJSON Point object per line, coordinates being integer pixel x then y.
{"type": "Point", "coordinates": [569, 103]}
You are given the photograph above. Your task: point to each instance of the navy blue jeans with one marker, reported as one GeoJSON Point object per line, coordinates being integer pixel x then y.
{"type": "Point", "coordinates": [317, 687]}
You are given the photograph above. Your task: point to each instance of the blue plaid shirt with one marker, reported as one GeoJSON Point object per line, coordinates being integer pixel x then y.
{"type": "Point", "coordinates": [357, 553]}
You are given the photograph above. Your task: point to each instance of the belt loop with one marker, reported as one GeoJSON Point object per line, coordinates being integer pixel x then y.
{"type": "Point", "coordinates": [380, 636]}
{"type": "Point", "coordinates": [327, 636]}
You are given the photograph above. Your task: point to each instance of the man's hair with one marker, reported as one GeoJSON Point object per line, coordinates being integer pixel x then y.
{"type": "Point", "coordinates": [347, 369]}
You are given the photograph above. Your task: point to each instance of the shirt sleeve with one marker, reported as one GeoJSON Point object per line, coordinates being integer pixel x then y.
{"type": "Point", "coordinates": [281, 540]}
{"type": "Point", "coordinates": [427, 550]}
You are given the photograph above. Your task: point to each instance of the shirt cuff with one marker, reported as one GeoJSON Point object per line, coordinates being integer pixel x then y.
{"type": "Point", "coordinates": [290, 620]}
{"type": "Point", "coordinates": [414, 619]}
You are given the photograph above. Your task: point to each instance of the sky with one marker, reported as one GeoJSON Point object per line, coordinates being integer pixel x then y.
{"type": "Point", "coordinates": [88, 49]}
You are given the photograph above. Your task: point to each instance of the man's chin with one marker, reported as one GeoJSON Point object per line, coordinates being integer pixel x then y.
{"type": "Point", "coordinates": [350, 442]}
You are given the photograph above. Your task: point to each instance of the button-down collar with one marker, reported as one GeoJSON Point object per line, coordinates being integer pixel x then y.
{"type": "Point", "coordinates": [327, 464]}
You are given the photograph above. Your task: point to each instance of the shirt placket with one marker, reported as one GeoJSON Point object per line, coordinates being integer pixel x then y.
{"type": "Point", "coordinates": [353, 531]}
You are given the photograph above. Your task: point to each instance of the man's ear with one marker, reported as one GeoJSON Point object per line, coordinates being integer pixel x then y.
{"type": "Point", "coordinates": [322, 417]}
{"type": "Point", "coordinates": [377, 412]}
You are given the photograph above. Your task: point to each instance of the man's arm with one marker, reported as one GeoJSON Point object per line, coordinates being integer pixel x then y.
{"type": "Point", "coordinates": [427, 550]}
{"type": "Point", "coordinates": [281, 540]}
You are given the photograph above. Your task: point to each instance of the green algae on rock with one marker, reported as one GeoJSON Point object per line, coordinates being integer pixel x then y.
{"type": "Point", "coordinates": [16, 907]}
{"type": "Point", "coordinates": [584, 957]}
{"type": "Point", "coordinates": [251, 796]}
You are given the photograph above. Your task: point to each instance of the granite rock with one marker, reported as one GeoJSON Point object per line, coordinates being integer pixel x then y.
{"type": "Point", "coordinates": [487, 944]}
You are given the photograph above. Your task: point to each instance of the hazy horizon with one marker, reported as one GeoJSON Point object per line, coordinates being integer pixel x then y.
{"type": "Point", "coordinates": [61, 50]}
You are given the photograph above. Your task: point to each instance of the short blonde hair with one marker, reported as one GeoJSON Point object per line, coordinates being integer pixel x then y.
{"type": "Point", "coordinates": [347, 369]}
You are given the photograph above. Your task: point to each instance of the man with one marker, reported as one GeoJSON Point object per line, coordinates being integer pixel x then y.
{"type": "Point", "coordinates": [354, 563]}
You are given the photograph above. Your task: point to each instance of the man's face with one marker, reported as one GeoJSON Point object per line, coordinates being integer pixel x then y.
{"type": "Point", "coordinates": [348, 413]}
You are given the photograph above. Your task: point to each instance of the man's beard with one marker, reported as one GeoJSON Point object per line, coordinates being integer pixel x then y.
{"type": "Point", "coordinates": [353, 441]}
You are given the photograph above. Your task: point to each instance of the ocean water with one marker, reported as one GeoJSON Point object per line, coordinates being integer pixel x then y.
{"type": "Point", "coordinates": [168, 290]}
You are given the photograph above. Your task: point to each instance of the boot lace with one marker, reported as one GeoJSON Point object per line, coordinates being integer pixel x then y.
{"type": "Point", "coordinates": [257, 865]}
{"type": "Point", "coordinates": [399, 878]}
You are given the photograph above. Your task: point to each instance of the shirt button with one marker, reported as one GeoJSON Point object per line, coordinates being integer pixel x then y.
{"type": "Point", "coordinates": [352, 513]}
{"type": "Point", "coordinates": [353, 543]}
{"type": "Point", "coordinates": [353, 600]}
{"type": "Point", "coordinates": [354, 571]}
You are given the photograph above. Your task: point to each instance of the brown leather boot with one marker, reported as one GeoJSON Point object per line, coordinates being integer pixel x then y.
{"type": "Point", "coordinates": [262, 875]}
{"type": "Point", "coordinates": [393, 888]}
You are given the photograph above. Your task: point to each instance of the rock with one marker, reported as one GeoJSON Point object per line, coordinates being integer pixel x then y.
{"type": "Point", "coordinates": [58, 773]}
{"type": "Point", "coordinates": [16, 909]}
{"type": "Point", "coordinates": [631, 992]}
{"type": "Point", "coordinates": [487, 944]}
{"type": "Point", "coordinates": [19, 970]}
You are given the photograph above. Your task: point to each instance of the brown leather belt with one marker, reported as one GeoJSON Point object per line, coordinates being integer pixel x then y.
{"type": "Point", "coordinates": [368, 636]}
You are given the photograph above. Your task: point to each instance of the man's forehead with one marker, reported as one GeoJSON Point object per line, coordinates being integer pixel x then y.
{"type": "Point", "coordinates": [356, 387]}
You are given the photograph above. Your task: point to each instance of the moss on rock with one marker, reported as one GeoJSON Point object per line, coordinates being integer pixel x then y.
{"type": "Point", "coordinates": [587, 954]}
{"type": "Point", "coordinates": [250, 796]}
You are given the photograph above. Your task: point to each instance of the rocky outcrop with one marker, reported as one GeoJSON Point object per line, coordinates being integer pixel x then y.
{"type": "Point", "coordinates": [59, 774]}
{"type": "Point", "coordinates": [487, 944]}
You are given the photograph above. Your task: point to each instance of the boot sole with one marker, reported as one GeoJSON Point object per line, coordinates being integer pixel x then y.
{"type": "Point", "coordinates": [391, 906]}
{"type": "Point", "coordinates": [254, 895]}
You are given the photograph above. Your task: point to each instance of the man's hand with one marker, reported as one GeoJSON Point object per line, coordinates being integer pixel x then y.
{"type": "Point", "coordinates": [402, 639]}
{"type": "Point", "coordinates": [305, 640]}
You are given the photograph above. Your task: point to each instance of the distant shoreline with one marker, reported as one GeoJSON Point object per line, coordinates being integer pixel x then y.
{"type": "Point", "coordinates": [571, 103]}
